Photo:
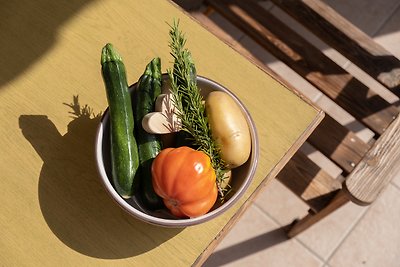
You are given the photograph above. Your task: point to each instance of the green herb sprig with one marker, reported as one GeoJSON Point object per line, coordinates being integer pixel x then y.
{"type": "Point", "coordinates": [190, 103]}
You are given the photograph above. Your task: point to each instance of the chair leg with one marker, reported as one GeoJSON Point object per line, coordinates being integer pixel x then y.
{"type": "Point", "coordinates": [299, 226]}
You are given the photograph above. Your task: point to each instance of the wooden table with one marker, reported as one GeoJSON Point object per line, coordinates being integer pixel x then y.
{"type": "Point", "coordinates": [54, 209]}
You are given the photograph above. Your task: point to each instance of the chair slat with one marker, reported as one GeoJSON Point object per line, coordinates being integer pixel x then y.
{"type": "Point", "coordinates": [350, 41]}
{"type": "Point", "coordinates": [308, 181]}
{"type": "Point", "coordinates": [309, 62]}
{"type": "Point", "coordinates": [338, 143]}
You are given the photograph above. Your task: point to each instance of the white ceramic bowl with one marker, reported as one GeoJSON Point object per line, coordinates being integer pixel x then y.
{"type": "Point", "coordinates": [241, 176]}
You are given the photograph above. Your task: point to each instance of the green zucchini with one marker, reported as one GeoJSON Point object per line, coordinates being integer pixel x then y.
{"type": "Point", "coordinates": [149, 145]}
{"type": "Point", "coordinates": [124, 151]}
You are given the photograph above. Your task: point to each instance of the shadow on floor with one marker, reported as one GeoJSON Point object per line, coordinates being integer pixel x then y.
{"type": "Point", "coordinates": [247, 247]}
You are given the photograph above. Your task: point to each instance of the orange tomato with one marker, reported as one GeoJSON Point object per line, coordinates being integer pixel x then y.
{"type": "Point", "coordinates": [185, 179]}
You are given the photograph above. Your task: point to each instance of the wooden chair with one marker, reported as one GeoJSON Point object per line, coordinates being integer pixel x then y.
{"type": "Point", "coordinates": [366, 167]}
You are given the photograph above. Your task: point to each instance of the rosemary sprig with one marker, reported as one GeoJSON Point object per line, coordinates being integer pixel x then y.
{"type": "Point", "coordinates": [190, 103]}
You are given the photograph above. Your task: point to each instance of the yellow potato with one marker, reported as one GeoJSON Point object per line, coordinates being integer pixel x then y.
{"type": "Point", "coordinates": [229, 128]}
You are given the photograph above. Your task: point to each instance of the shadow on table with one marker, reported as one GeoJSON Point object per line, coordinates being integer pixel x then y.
{"type": "Point", "coordinates": [29, 29]}
{"type": "Point", "coordinates": [72, 199]}
{"type": "Point", "coordinates": [247, 247]}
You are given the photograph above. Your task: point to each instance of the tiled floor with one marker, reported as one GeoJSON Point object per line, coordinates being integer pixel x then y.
{"type": "Point", "coordinates": [351, 236]}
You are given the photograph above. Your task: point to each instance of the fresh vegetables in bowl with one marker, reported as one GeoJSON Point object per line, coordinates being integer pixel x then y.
{"type": "Point", "coordinates": [174, 149]}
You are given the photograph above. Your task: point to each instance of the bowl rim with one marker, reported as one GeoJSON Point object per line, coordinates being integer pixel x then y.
{"type": "Point", "coordinates": [186, 221]}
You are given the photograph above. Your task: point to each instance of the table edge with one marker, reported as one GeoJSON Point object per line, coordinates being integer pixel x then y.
{"type": "Point", "coordinates": [275, 170]}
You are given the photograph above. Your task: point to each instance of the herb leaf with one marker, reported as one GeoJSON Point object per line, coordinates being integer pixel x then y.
{"type": "Point", "coordinates": [190, 103]}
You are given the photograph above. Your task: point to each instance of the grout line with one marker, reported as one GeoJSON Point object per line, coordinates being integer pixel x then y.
{"type": "Point", "coordinates": [267, 214]}
{"type": "Point", "coordinates": [349, 231]}
{"type": "Point", "coordinates": [310, 250]}
{"type": "Point", "coordinates": [294, 238]}
{"type": "Point", "coordinates": [374, 35]}
{"type": "Point", "coordinates": [394, 10]}
{"type": "Point", "coordinates": [345, 236]}
{"type": "Point", "coordinates": [395, 185]}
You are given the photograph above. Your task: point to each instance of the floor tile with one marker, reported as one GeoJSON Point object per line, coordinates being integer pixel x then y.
{"type": "Point", "coordinates": [258, 241]}
{"type": "Point", "coordinates": [325, 236]}
{"type": "Point", "coordinates": [389, 35]}
{"type": "Point", "coordinates": [375, 241]}
{"type": "Point", "coordinates": [396, 180]}
{"type": "Point", "coordinates": [281, 204]}
{"type": "Point", "coordinates": [368, 15]}
{"type": "Point", "coordinates": [390, 28]}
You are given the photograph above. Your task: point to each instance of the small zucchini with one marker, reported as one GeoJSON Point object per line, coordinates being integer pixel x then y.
{"type": "Point", "coordinates": [149, 145]}
{"type": "Point", "coordinates": [124, 151]}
